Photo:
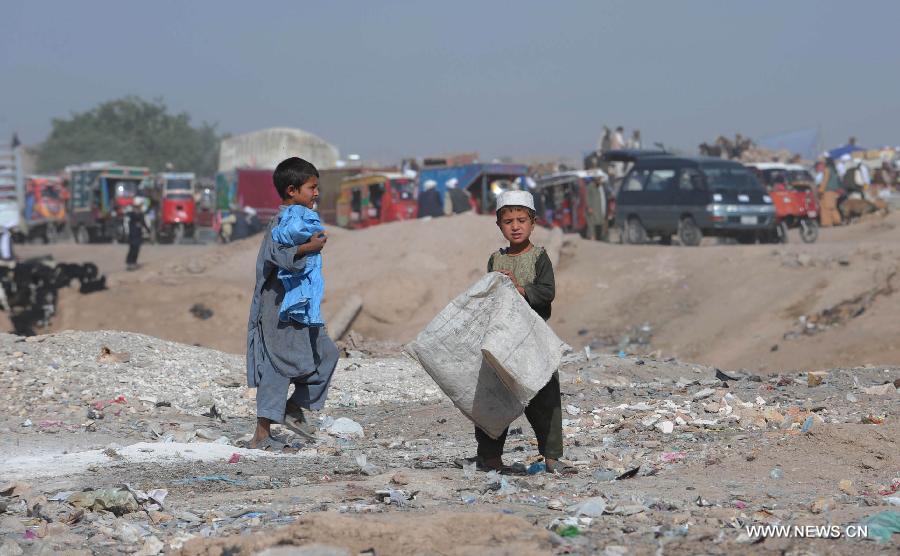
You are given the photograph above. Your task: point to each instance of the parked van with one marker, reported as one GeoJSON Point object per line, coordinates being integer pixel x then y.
{"type": "Point", "coordinates": [664, 195]}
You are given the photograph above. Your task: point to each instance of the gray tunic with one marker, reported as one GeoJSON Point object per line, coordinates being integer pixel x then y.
{"type": "Point", "coordinates": [280, 353]}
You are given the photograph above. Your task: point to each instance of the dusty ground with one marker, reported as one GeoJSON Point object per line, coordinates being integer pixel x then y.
{"type": "Point", "coordinates": [727, 305]}
{"type": "Point", "coordinates": [766, 315]}
{"type": "Point", "coordinates": [692, 490]}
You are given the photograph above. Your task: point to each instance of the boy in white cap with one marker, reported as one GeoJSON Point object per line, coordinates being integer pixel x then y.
{"type": "Point", "coordinates": [531, 271]}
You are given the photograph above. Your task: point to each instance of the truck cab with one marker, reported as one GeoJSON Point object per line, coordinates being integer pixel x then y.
{"type": "Point", "coordinates": [100, 193]}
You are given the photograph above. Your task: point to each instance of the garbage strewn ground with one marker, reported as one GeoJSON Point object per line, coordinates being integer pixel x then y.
{"type": "Point", "coordinates": [115, 442]}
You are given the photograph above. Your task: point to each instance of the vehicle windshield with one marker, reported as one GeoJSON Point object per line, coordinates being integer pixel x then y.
{"type": "Point", "coordinates": [124, 187]}
{"type": "Point", "coordinates": [787, 176]}
{"type": "Point", "coordinates": [183, 185]}
{"type": "Point", "coordinates": [730, 177]}
{"type": "Point", "coordinates": [50, 192]}
{"type": "Point", "coordinates": [179, 196]}
{"type": "Point", "coordinates": [404, 188]}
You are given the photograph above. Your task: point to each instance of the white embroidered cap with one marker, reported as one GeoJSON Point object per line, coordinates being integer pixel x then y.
{"type": "Point", "coordinates": [515, 198]}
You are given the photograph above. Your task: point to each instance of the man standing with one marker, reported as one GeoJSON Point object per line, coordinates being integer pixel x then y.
{"type": "Point", "coordinates": [136, 227]}
{"type": "Point", "coordinates": [430, 200]}
{"type": "Point", "coordinates": [457, 200]}
{"type": "Point", "coordinates": [829, 191]}
{"type": "Point", "coordinates": [596, 210]}
{"type": "Point", "coordinates": [618, 139]}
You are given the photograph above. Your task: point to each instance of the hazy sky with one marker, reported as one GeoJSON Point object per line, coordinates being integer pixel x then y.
{"type": "Point", "coordinates": [387, 79]}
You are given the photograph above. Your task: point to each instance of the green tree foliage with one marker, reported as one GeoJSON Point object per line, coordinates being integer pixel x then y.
{"type": "Point", "coordinates": [135, 132]}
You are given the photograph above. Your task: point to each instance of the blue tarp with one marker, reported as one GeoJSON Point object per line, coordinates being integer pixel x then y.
{"type": "Point", "coordinates": [468, 174]}
{"type": "Point", "coordinates": [804, 142]}
{"type": "Point", "coordinates": [303, 291]}
{"type": "Point", "coordinates": [841, 151]}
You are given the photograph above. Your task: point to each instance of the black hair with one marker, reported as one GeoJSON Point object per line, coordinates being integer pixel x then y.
{"type": "Point", "coordinates": [531, 213]}
{"type": "Point", "coordinates": [292, 171]}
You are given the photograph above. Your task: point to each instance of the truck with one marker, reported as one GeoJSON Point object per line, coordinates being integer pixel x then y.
{"type": "Point", "coordinates": [100, 193]}
{"type": "Point", "coordinates": [178, 209]}
{"type": "Point", "coordinates": [247, 187]}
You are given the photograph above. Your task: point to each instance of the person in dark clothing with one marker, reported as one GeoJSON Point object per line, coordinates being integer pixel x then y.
{"type": "Point", "coordinates": [136, 228]}
{"type": "Point", "coordinates": [531, 271]}
{"type": "Point", "coordinates": [458, 198]}
{"type": "Point", "coordinates": [430, 201]}
{"type": "Point", "coordinates": [241, 228]}
{"type": "Point", "coordinates": [254, 226]}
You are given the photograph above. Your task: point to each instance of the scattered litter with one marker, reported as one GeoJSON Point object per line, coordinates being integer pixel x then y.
{"type": "Point", "coordinates": [109, 356]}
{"type": "Point", "coordinates": [604, 475]}
{"type": "Point", "coordinates": [807, 424]}
{"type": "Point", "coordinates": [210, 478]}
{"type": "Point", "coordinates": [346, 428]}
{"type": "Point", "coordinates": [537, 467]}
{"type": "Point", "coordinates": [592, 507]}
{"type": "Point", "coordinates": [882, 526]}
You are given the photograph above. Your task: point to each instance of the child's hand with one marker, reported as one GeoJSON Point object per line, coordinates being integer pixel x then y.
{"type": "Point", "coordinates": [315, 244]}
{"type": "Point", "coordinates": [515, 282]}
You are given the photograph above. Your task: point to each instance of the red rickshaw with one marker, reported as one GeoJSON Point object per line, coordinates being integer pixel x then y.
{"type": "Point", "coordinates": [792, 188]}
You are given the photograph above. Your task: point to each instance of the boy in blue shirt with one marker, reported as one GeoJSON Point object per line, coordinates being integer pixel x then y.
{"type": "Point", "coordinates": [281, 353]}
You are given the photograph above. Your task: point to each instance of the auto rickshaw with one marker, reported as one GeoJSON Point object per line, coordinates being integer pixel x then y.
{"type": "Point", "coordinates": [563, 198]}
{"type": "Point", "coordinates": [371, 199]}
{"type": "Point", "coordinates": [792, 188]}
{"type": "Point", "coordinates": [177, 217]}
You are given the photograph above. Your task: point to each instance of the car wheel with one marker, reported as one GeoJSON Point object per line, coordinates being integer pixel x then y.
{"type": "Point", "coordinates": [635, 234]}
{"type": "Point", "coordinates": [809, 230]}
{"type": "Point", "coordinates": [689, 233]}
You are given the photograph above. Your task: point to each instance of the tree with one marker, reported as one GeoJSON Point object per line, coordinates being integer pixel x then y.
{"type": "Point", "coordinates": [135, 132]}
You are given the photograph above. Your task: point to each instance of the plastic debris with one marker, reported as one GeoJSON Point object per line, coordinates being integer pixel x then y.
{"type": "Point", "coordinates": [537, 467]}
{"type": "Point", "coordinates": [807, 424]}
{"type": "Point", "coordinates": [346, 428]}
{"type": "Point", "coordinates": [882, 526]}
{"type": "Point", "coordinates": [592, 507]}
{"type": "Point", "coordinates": [604, 475]}
{"type": "Point", "coordinates": [776, 473]}
{"type": "Point", "coordinates": [672, 457]}
{"type": "Point", "coordinates": [235, 457]}
{"type": "Point", "coordinates": [366, 467]}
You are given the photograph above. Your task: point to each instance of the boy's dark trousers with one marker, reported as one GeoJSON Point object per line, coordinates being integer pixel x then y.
{"type": "Point", "coordinates": [545, 415]}
{"type": "Point", "coordinates": [134, 247]}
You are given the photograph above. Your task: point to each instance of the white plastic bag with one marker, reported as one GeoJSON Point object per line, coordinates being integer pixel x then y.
{"type": "Point", "coordinates": [489, 352]}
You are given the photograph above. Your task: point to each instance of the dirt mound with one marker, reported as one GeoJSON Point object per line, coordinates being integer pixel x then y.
{"type": "Point", "coordinates": [441, 533]}
{"type": "Point", "coordinates": [725, 305]}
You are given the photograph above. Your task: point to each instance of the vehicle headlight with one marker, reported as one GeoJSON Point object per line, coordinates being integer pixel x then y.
{"type": "Point", "coordinates": [717, 197]}
{"type": "Point", "coordinates": [767, 200]}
